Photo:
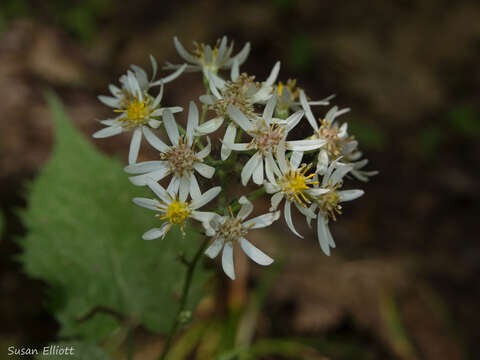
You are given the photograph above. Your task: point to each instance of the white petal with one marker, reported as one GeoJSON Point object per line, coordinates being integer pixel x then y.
{"type": "Point", "coordinates": [154, 63]}
{"type": "Point", "coordinates": [282, 162]}
{"type": "Point", "coordinates": [206, 150]}
{"type": "Point", "coordinates": [142, 180]}
{"type": "Point", "coordinates": [323, 234]}
{"type": "Point", "coordinates": [246, 209]}
{"type": "Point", "coordinates": [249, 167]}
{"type": "Point", "coordinates": [214, 249]}
{"type": "Point", "coordinates": [171, 127]}
{"type": "Point", "coordinates": [242, 55]}
{"type": "Point", "coordinates": [192, 122]}
{"type": "Point", "coordinates": [227, 260]}
{"type": "Point", "coordinates": [296, 159]}
{"type": "Point", "coordinates": [209, 126]}
{"type": "Point", "coordinates": [135, 146]}
{"type": "Point", "coordinates": [308, 111]}
{"type": "Point", "coordinates": [182, 52]}
{"type": "Point", "coordinates": [174, 185]}
{"type": "Point", "coordinates": [146, 167]}
{"type": "Point", "coordinates": [235, 72]}
{"type": "Point", "coordinates": [254, 253]}
{"type": "Point", "coordinates": [271, 188]}
{"type": "Point", "coordinates": [184, 188]}
{"type": "Point", "coordinates": [156, 232]}
{"type": "Point", "coordinates": [194, 188]}
{"type": "Point", "coordinates": [207, 99]}
{"type": "Point", "coordinates": [205, 170]}
{"type": "Point", "coordinates": [155, 124]}
{"type": "Point", "coordinates": [241, 120]}
{"type": "Point", "coordinates": [107, 132]}
{"type": "Point", "coordinates": [205, 197]}
{"type": "Point", "coordinates": [147, 203]}
{"type": "Point", "coordinates": [271, 168]}
{"type": "Point", "coordinates": [273, 74]}
{"type": "Point", "coordinates": [305, 145]}
{"type": "Point", "coordinates": [276, 198]}
{"type": "Point", "coordinates": [228, 139]}
{"type": "Point", "coordinates": [262, 220]}
{"type": "Point", "coordinates": [339, 173]}
{"type": "Point", "coordinates": [269, 108]}
{"type": "Point", "coordinates": [349, 195]}
{"type": "Point", "coordinates": [109, 101]}
{"type": "Point", "coordinates": [293, 120]}
{"type": "Point", "coordinates": [258, 172]}
{"type": "Point", "coordinates": [153, 140]}
{"type": "Point", "coordinates": [171, 77]}
{"type": "Point", "coordinates": [160, 192]}
{"type": "Point", "coordinates": [288, 218]}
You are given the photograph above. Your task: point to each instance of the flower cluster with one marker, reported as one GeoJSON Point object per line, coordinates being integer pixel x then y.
{"type": "Point", "coordinates": [258, 118]}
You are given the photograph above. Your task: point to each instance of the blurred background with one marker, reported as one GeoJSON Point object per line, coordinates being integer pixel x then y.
{"type": "Point", "coordinates": [403, 281]}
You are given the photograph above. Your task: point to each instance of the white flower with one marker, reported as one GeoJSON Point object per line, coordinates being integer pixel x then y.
{"type": "Point", "coordinates": [179, 159]}
{"type": "Point", "coordinates": [267, 133]}
{"type": "Point", "coordinates": [204, 58]}
{"type": "Point", "coordinates": [328, 202]}
{"type": "Point", "coordinates": [339, 144]}
{"type": "Point", "coordinates": [288, 99]}
{"type": "Point", "coordinates": [232, 229]}
{"type": "Point", "coordinates": [138, 109]}
{"type": "Point", "coordinates": [242, 91]}
{"type": "Point", "coordinates": [293, 184]}
{"type": "Point", "coordinates": [175, 210]}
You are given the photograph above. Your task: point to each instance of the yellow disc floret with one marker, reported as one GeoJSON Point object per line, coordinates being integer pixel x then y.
{"type": "Point", "coordinates": [329, 203]}
{"type": "Point", "coordinates": [177, 212]}
{"type": "Point", "coordinates": [294, 183]}
{"type": "Point", "coordinates": [136, 112]}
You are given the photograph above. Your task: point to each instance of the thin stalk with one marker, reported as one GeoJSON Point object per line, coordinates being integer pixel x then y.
{"type": "Point", "coordinates": [183, 300]}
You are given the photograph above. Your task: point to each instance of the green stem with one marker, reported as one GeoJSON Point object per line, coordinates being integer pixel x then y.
{"type": "Point", "coordinates": [183, 300]}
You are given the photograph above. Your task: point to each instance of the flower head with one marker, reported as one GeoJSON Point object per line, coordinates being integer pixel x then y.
{"type": "Point", "coordinates": [137, 109]}
{"type": "Point", "coordinates": [207, 58]}
{"type": "Point", "coordinates": [328, 201]}
{"type": "Point", "coordinates": [176, 210]}
{"type": "Point", "coordinates": [229, 230]}
{"type": "Point", "coordinates": [266, 133]}
{"type": "Point", "coordinates": [180, 159]}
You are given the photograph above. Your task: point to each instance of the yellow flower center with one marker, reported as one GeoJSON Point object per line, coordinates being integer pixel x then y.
{"type": "Point", "coordinates": [295, 182]}
{"type": "Point", "coordinates": [177, 212]}
{"type": "Point", "coordinates": [290, 87]}
{"type": "Point", "coordinates": [329, 203]}
{"type": "Point", "coordinates": [136, 112]}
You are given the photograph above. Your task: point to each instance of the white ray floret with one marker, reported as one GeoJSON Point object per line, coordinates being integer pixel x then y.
{"type": "Point", "coordinates": [292, 183]}
{"type": "Point", "coordinates": [243, 92]}
{"type": "Point", "coordinates": [205, 58]}
{"type": "Point", "coordinates": [176, 210]}
{"type": "Point", "coordinates": [328, 203]}
{"type": "Point", "coordinates": [138, 109]}
{"type": "Point", "coordinates": [267, 133]}
{"type": "Point", "coordinates": [230, 230]}
{"type": "Point", "coordinates": [179, 159]}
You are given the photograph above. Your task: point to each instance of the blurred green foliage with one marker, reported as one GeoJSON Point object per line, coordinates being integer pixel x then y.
{"type": "Point", "coordinates": [465, 121]}
{"type": "Point", "coordinates": [80, 19]}
{"type": "Point", "coordinates": [430, 139]}
{"type": "Point", "coordinates": [84, 241]}
{"type": "Point", "coordinates": [301, 52]}
{"type": "Point", "coordinates": [370, 136]}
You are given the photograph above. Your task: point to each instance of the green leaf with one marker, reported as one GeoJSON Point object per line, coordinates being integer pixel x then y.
{"type": "Point", "coordinates": [72, 351]}
{"type": "Point", "coordinates": [465, 121]}
{"type": "Point", "coordinates": [84, 240]}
